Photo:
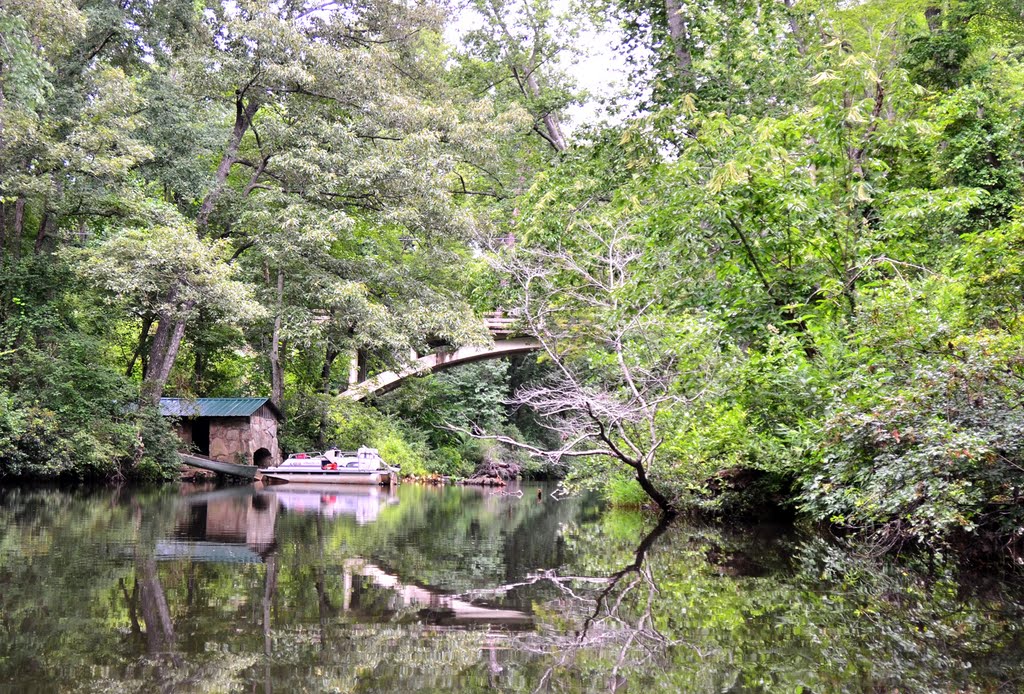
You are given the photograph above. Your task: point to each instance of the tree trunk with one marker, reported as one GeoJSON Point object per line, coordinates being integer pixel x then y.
{"type": "Point", "coordinates": [140, 348]}
{"type": "Point", "coordinates": [46, 230]}
{"type": "Point", "coordinates": [243, 119]}
{"type": "Point", "coordinates": [639, 557]}
{"type": "Point", "coordinates": [47, 237]}
{"type": "Point", "coordinates": [170, 330]}
{"type": "Point", "coordinates": [155, 612]}
{"type": "Point", "coordinates": [664, 505]}
{"type": "Point", "coordinates": [325, 388]}
{"type": "Point", "coordinates": [551, 122]}
{"type": "Point", "coordinates": [276, 368]}
{"type": "Point", "coordinates": [131, 601]}
{"type": "Point", "coordinates": [18, 226]}
{"type": "Point", "coordinates": [198, 373]}
{"type": "Point", "coordinates": [325, 373]}
{"type": "Point", "coordinates": [324, 607]}
{"type": "Point", "coordinates": [794, 29]}
{"type": "Point", "coordinates": [269, 591]}
{"type": "Point", "coordinates": [677, 35]}
{"type": "Point", "coordinates": [10, 250]}
{"type": "Point", "coordinates": [3, 232]}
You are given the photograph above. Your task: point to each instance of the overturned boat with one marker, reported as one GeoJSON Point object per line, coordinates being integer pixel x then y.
{"type": "Point", "coordinates": [333, 466]}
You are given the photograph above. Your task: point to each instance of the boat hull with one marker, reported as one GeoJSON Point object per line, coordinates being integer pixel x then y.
{"type": "Point", "coordinates": [220, 467]}
{"type": "Point", "coordinates": [375, 477]}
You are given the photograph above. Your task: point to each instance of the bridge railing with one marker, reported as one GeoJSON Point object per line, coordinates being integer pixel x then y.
{"type": "Point", "coordinates": [500, 325]}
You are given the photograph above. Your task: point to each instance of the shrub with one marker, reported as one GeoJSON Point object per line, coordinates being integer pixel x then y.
{"type": "Point", "coordinates": [943, 453]}
{"type": "Point", "coordinates": [37, 443]}
{"type": "Point", "coordinates": [396, 451]}
{"type": "Point", "coordinates": [625, 492]}
{"type": "Point", "coordinates": [447, 460]}
{"type": "Point", "coordinates": [352, 424]}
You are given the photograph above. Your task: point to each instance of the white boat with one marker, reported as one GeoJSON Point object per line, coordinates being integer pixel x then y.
{"type": "Point", "coordinates": [333, 466]}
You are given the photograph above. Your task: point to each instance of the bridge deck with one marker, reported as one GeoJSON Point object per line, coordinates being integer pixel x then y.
{"type": "Point", "coordinates": [436, 361]}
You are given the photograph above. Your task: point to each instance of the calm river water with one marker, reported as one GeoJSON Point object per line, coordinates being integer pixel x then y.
{"type": "Point", "coordinates": [465, 590]}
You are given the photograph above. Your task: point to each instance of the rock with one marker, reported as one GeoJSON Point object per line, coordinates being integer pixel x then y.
{"type": "Point", "coordinates": [194, 474]}
{"type": "Point", "coordinates": [494, 473]}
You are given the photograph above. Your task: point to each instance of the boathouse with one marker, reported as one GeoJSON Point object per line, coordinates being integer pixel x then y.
{"type": "Point", "coordinates": [232, 430]}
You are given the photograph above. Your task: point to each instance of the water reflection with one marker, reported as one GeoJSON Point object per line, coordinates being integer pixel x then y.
{"type": "Point", "coordinates": [238, 524]}
{"type": "Point", "coordinates": [362, 503]}
{"type": "Point", "coordinates": [466, 590]}
{"type": "Point", "coordinates": [230, 525]}
{"type": "Point", "coordinates": [435, 607]}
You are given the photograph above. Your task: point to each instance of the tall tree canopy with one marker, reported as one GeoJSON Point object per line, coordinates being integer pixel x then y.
{"type": "Point", "coordinates": [789, 268]}
{"type": "Point", "coordinates": [287, 177]}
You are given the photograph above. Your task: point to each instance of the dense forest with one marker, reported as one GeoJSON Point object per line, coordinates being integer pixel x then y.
{"type": "Point", "coordinates": [785, 264]}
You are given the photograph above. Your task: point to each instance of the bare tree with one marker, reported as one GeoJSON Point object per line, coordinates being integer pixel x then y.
{"type": "Point", "coordinates": [622, 361]}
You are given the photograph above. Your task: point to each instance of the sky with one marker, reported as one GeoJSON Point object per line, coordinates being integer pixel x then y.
{"type": "Point", "coordinates": [598, 69]}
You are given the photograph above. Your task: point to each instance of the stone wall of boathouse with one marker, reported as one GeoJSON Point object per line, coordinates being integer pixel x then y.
{"type": "Point", "coordinates": [238, 439]}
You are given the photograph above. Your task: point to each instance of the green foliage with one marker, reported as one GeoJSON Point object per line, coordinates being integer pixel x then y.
{"type": "Point", "coordinates": [838, 204]}
{"type": "Point", "coordinates": [352, 425]}
{"type": "Point", "coordinates": [473, 395]}
{"type": "Point", "coordinates": [136, 270]}
{"type": "Point", "coordinates": [450, 461]}
{"type": "Point", "coordinates": [938, 453]}
{"type": "Point", "coordinates": [624, 492]}
{"type": "Point", "coordinates": [992, 269]}
{"type": "Point", "coordinates": [67, 414]}
{"type": "Point", "coordinates": [40, 444]}
{"type": "Point", "coordinates": [400, 453]}
{"type": "Point", "coordinates": [802, 235]}
{"type": "Point", "coordinates": [159, 444]}
{"type": "Point", "coordinates": [447, 406]}
{"type": "Point", "coordinates": [228, 188]}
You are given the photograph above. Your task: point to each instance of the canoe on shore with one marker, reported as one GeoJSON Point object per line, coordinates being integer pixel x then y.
{"type": "Point", "coordinates": [220, 467]}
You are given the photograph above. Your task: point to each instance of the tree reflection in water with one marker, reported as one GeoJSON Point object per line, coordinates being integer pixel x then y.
{"type": "Point", "coordinates": [636, 638]}
{"type": "Point", "coordinates": [708, 608]}
{"type": "Point", "coordinates": [461, 590]}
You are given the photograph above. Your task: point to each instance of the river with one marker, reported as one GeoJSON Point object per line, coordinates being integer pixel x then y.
{"type": "Point", "coordinates": [465, 590]}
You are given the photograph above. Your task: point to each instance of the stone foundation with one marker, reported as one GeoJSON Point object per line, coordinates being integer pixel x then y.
{"type": "Point", "coordinates": [236, 439]}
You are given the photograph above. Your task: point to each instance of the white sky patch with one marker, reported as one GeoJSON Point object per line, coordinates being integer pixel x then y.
{"type": "Point", "coordinates": [600, 71]}
{"type": "Point", "coordinates": [597, 68]}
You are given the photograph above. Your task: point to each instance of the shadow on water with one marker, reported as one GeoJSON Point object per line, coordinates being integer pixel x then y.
{"type": "Point", "coordinates": [451, 589]}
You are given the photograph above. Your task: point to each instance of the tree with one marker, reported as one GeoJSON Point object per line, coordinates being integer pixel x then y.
{"type": "Point", "coordinates": [164, 274]}
{"type": "Point", "coordinates": [737, 56]}
{"type": "Point", "coordinates": [520, 41]}
{"type": "Point", "coordinates": [624, 367]}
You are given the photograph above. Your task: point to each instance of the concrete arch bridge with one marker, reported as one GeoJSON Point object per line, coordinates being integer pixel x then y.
{"type": "Point", "coordinates": [506, 342]}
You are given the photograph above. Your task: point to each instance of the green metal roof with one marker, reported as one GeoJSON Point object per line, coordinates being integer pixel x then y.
{"type": "Point", "coordinates": [213, 407]}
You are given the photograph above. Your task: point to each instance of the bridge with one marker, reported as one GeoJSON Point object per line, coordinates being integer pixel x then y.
{"type": "Point", "coordinates": [506, 342]}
